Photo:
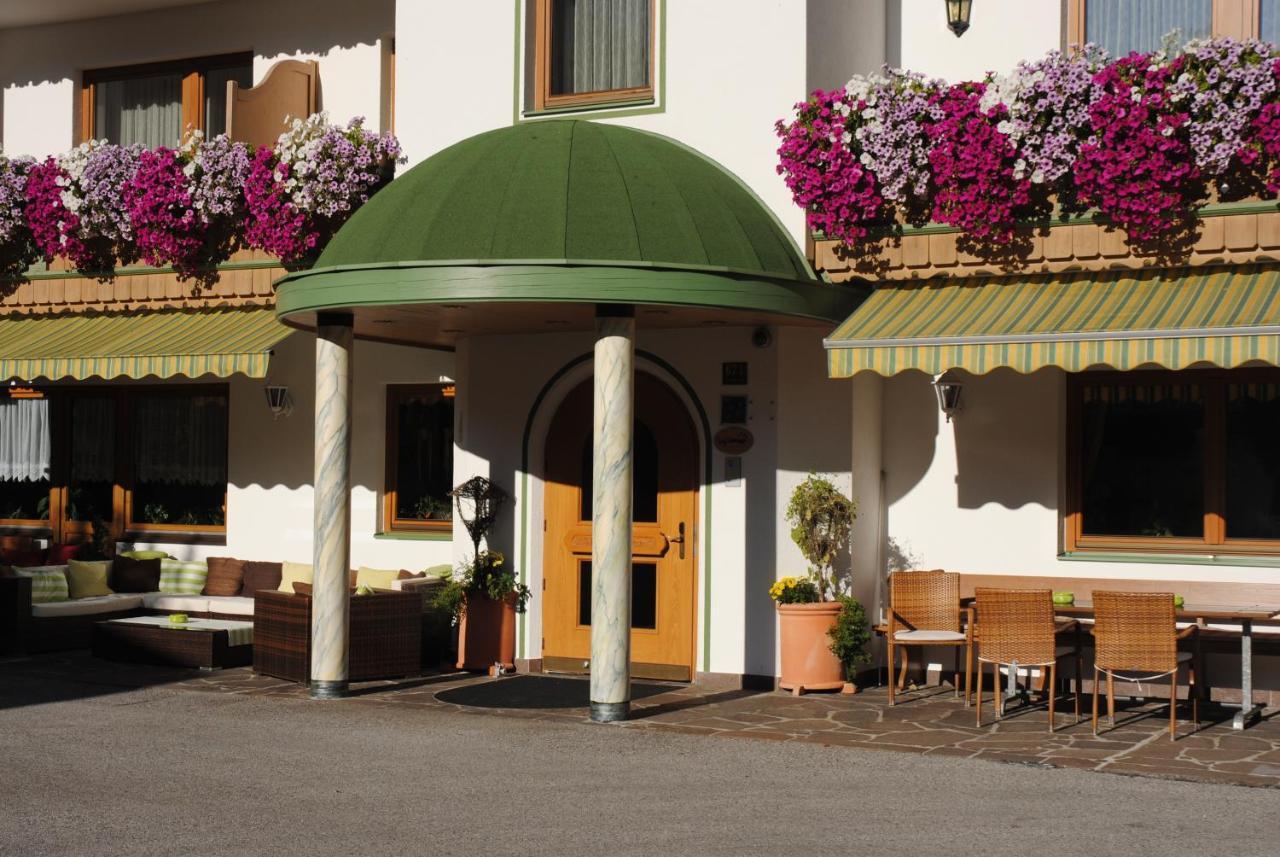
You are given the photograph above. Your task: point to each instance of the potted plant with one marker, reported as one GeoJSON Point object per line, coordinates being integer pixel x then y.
{"type": "Point", "coordinates": [483, 595]}
{"type": "Point", "coordinates": [822, 633]}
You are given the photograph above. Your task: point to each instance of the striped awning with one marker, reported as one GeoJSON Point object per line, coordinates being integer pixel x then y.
{"type": "Point", "coordinates": [221, 342]}
{"type": "Point", "coordinates": [1171, 318]}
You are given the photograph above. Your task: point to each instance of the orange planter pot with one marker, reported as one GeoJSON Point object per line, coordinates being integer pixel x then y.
{"type": "Point", "coordinates": [487, 633]}
{"type": "Point", "coordinates": [807, 661]}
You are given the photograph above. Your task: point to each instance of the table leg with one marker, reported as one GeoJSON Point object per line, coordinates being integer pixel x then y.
{"type": "Point", "coordinates": [1248, 713]}
{"type": "Point", "coordinates": [1012, 690]}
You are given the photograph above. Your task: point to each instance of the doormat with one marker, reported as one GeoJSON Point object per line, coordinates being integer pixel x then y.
{"type": "Point", "coordinates": [536, 691]}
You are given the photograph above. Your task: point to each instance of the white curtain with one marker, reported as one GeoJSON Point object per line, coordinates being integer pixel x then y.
{"type": "Point", "coordinates": [24, 439]}
{"type": "Point", "coordinates": [180, 439]}
{"type": "Point", "coordinates": [1122, 26]}
{"type": "Point", "coordinates": [600, 45]}
{"type": "Point", "coordinates": [93, 439]}
{"type": "Point", "coordinates": [146, 110]}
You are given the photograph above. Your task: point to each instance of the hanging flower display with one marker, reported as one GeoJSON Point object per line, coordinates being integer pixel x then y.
{"type": "Point", "coordinates": [186, 205]}
{"type": "Point", "coordinates": [300, 191]}
{"type": "Point", "coordinates": [1138, 167]}
{"type": "Point", "coordinates": [190, 208]}
{"type": "Point", "coordinates": [1143, 140]}
{"type": "Point", "coordinates": [972, 162]}
{"type": "Point", "coordinates": [837, 192]}
{"type": "Point", "coordinates": [75, 206]}
{"type": "Point", "coordinates": [17, 245]}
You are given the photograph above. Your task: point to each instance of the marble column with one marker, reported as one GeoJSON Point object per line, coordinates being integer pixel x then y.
{"type": "Point", "coordinates": [614, 370]}
{"type": "Point", "coordinates": [330, 594]}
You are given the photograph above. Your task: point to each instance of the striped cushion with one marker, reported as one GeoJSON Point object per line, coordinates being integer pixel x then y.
{"type": "Point", "coordinates": [48, 583]}
{"type": "Point", "coordinates": [182, 578]}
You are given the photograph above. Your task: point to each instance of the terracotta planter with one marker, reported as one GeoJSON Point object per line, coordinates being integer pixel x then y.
{"type": "Point", "coordinates": [487, 633]}
{"type": "Point", "coordinates": [807, 661]}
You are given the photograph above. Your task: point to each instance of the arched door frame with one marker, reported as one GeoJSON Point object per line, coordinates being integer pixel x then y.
{"type": "Point", "coordinates": [530, 482]}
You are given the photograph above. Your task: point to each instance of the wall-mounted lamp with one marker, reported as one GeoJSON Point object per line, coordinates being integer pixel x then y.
{"type": "Point", "coordinates": [958, 16]}
{"type": "Point", "coordinates": [279, 401]}
{"type": "Point", "coordinates": [948, 395]}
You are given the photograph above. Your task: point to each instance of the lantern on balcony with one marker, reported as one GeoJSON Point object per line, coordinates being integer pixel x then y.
{"type": "Point", "coordinates": [958, 16]}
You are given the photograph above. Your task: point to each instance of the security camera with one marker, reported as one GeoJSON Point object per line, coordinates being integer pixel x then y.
{"type": "Point", "coordinates": [761, 337]}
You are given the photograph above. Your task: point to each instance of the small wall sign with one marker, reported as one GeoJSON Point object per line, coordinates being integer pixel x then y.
{"type": "Point", "coordinates": [733, 409]}
{"type": "Point", "coordinates": [734, 440]}
{"type": "Point", "coordinates": [733, 374]}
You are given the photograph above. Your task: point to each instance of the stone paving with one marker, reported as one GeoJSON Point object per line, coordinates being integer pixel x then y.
{"type": "Point", "coordinates": [930, 721]}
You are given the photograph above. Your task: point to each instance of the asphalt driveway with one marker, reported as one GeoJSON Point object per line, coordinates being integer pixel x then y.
{"type": "Point", "coordinates": [171, 770]}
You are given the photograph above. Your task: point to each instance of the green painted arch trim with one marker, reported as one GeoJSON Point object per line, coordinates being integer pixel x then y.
{"type": "Point", "coordinates": [560, 281]}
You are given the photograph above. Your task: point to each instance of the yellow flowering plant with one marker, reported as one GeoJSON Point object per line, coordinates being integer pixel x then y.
{"type": "Point", "coordinates": [794, 590]}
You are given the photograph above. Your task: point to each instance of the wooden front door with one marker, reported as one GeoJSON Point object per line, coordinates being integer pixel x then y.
{"type": "Point", "coordinates": [663, 569]}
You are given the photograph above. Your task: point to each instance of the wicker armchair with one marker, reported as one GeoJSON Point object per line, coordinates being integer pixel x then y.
{"type": "Point", "coordinates": [1017, 626]}
{"type": "Point", "coordinates": [924, 610]}
{"type": "Point", "coordinates": [1137, 633]}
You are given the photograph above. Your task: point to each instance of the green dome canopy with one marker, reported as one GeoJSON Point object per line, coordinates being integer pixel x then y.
{"type": "Point", "coordinates": [535, 226]}
{"type": "Point", "coordinates": [569, 190]}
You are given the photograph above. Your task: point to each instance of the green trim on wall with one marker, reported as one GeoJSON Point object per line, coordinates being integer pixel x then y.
{"type": "Point", "coordinates": [415, 537]}
{"type": "Point", "coordinates": [560, 281]}
{"type": "Point", "coordinates": [132, 270]}
{"type": "Point", "coordinates": [613, 110]}
{"type": "Point", "coordinates": [708, 473]}
{"type": "Point", "coordinates": [1172, 559]}
{"type": "Point", "coordinates": [1217, 209]}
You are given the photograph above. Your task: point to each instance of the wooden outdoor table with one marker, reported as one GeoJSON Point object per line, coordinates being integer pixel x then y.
{"type": "Point", "coordinates": [1205, 602]}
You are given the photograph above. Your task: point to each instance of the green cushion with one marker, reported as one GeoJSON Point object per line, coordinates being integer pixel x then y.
{"type": "Point", "coordinates": [438, 571]}
{"type": "Point", "coordinates": [182, 578]}
{"type": "Point", "coordinates": [145, 554]}
{"type": "Point", "coordinates": [48, 583]}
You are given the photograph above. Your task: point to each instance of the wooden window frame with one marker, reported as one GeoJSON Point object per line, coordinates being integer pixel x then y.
{"type": "Point", "coordinates": [193, 73]}
{"type": "Point", "coordinates": [395, 394]}
{"type": "Point", "coordinates": [1214, 539]}
{"type": "Point", "coordinates": [543, 99]}
{"type": "Point", "coordinates": [59, 528]}
{"type": "Point", "coordinates": [1238, 19]}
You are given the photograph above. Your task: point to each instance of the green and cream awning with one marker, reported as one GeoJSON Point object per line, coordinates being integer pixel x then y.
{"type": "Point", "coordinates": [1171, 318]}
{"type": "Point", "coordinates": [220, 342]}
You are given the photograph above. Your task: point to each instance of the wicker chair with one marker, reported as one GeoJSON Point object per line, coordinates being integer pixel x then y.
{"type": "Point", "coordinates": [1017, 626]}
{"type": "Point", "coordinates": [1137, 633]}
{"type": "Point", "coordinates": [924, 610]}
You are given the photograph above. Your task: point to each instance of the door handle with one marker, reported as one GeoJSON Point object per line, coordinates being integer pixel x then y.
{"type": "Point", "coordinates": [679, 540]}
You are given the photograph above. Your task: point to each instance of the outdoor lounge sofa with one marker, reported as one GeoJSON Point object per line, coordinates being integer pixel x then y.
{"type": "Point", "coordinates": [32, 627]}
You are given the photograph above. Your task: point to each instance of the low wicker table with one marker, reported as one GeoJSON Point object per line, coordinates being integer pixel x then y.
{"type": "Point", "coordinates": [202, 643]}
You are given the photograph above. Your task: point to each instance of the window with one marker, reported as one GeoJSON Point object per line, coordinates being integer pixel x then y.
{"type": "Point", "coordinates": [419, 458]}
{"type": "Point", "coordinates": [593, 52]}
{"type": "Point", "coordinates": [151, 460]}
{"type": "Point", "coordinates": [1174, 461]}
{"type": "Point", "coordinates": [24, 461]}
{"type": "Point", "coordinates": [155, 104]}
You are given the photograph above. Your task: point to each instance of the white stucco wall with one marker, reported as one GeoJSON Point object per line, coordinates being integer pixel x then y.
{"type": "Point", "coordinates": [982, 494]}
{"type": "Point", "coordinates": [1001, 32]}
{"type": "Point", "coordinates": [270, 464]}
{"type": "Point", "coordinates": [40, 67]}
{"type": "Point", "coordinates": [727, 78]}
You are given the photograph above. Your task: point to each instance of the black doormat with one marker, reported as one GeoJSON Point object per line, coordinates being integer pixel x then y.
{"type": "Point", "coordinates": [536, 691]}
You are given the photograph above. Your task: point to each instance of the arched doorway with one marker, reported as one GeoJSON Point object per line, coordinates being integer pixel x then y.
{"type": "Point", "coordinates": [664, 568]}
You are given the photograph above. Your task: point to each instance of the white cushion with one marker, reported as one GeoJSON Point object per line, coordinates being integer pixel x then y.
{"type": "Point", "coordinates": [231, 605]}
{"type": "Point", "coordinates": [115, 603]}
{"type": "Point", "coordinates": [176, 603]}
{"type": "Point", "coordinates": [928, 636]}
